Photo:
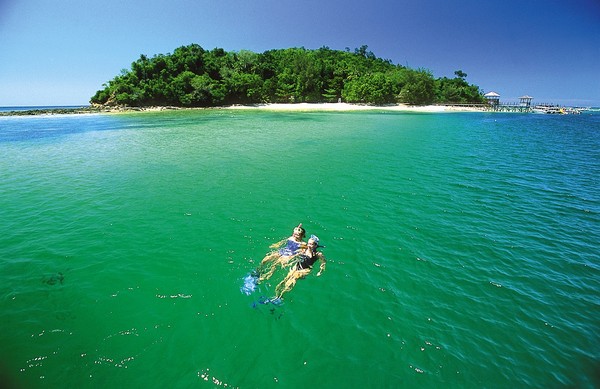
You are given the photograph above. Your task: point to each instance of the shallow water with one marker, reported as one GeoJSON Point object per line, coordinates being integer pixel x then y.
{"type": "Point", "coordinates": [462, 249]}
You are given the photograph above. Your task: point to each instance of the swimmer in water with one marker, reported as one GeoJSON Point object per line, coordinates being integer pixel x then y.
{"type": "Point", "coordinates": [283, 252]}
{"type": "Point", "coordinates": [302, 266]}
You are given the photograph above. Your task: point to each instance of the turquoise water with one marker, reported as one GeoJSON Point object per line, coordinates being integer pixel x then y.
{"type": "Point", "coordinates": [462, 249]}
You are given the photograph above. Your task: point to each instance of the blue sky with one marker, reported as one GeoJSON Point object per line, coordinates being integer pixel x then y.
{"type": "Point", "coordinates": [60, 52]}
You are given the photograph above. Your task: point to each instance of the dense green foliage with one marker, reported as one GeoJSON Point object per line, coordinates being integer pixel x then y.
{"type": "Point", "coordinates": [194, 77]}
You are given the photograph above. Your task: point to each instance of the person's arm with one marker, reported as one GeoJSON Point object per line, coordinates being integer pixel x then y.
{"type": "Point", "coordinates": [278, 244]}
{"type": "Point", "coordinates": [322, 266]}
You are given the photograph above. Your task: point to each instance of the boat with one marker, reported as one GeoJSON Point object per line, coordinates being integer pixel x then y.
{"type": "Point", "coordinates": [555, 109]}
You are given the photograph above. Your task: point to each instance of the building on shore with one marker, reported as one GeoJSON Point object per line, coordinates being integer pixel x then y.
{"type": "Point", "coordinates": [525, 105]}
{"type": "Point", "coordinates": [494, 104]}
{"type": "Point", "coordinates": [492, 98]}
{"type": "Point", "coordinates": [525, 101]}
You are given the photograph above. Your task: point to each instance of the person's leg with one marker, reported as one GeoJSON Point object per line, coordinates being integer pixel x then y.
{"type": "Point", "coordinates": [289, 281]}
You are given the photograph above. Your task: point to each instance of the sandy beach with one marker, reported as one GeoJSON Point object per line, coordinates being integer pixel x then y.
{"type": "Point", "coordinates": [296, 107]}
{"type": "Point", "coordinates": [299, 107]}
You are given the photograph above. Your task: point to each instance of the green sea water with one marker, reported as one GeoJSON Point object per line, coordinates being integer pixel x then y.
{"type": "Point", "coordinates": [463, 250]}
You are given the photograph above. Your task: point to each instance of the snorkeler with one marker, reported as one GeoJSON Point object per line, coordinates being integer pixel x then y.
{"type": "Point", "coordinates": [302, 267]}
{"type": "Point", "coordinates": [283, 252]}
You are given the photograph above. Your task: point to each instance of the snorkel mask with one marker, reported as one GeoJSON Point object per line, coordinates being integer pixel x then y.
{"type": "Point", "coordinates": [316, 240]}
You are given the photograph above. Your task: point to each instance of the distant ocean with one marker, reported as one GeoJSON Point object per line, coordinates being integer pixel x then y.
{"type": "Point", "coordinates": [463, 250]}
{"type": "Point", "coordinates": [39, 107]}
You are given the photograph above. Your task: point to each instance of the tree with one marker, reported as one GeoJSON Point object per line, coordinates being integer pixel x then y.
{"type": "Point", "coordinates": [419, 88]}
{"type": "Point", "coordinates": [457, 90]}
{"type": "Point", "coordinates": [372, 89]}
{"type": "Point", "coordinates": [181, 89]}
{"type": "Point", "coordinates": [460, 74]}
{"type": "Point", "coordinates": [243, 88]}
{"type": "Point", "coordinates": [192, 76]}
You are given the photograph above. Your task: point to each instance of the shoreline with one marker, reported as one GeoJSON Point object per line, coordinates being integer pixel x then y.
{"type": "Point", "coordinates": [278, 107]}
{"type": "Point", "coordinates": [344, 107]}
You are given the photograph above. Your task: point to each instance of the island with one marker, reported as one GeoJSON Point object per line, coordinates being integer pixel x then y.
{"type": "Point", "coordinates": [194, 77]}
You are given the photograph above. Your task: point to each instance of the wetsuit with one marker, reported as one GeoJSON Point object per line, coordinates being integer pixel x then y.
{"type": "Point", "coordinates": [306, 262]}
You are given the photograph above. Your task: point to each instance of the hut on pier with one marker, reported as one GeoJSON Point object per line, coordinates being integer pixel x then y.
{"type": "Point", "coordinates": [492, 98]}
{"type": "Point", "coordinates": [525, 101]}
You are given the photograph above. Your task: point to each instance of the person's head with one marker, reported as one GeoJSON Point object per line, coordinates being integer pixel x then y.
{"type": "Point", "coordinates": [313, 242]}
{"type": "Point", "coordinates": [299, 232]}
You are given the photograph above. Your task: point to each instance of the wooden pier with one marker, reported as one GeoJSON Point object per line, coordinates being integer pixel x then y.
{"type": "Point", "coordinates": [508, 107]}
{"type": "Point", "coordinates": [494, 104]}
{"type": "Point", "coordinates": [524, 105]}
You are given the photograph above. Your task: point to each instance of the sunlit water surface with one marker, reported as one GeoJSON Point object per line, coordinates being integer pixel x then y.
{"type": "Point", "coordinates": [462, 249]}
